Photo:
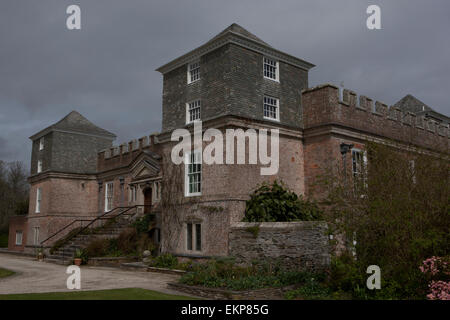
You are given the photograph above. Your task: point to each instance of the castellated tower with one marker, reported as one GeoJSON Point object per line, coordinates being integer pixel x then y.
{"type": "Point", "coordinates": [63, 180]}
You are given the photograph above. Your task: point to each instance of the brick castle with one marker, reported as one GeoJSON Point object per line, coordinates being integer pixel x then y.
{"type": "Point", "coordinates": [235, 80]}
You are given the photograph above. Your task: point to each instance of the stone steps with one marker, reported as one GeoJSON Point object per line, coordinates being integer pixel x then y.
{"type": "Point", "coordinates": [64, 255]}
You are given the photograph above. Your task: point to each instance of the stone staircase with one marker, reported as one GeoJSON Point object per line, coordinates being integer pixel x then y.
{"type": "Point", "coordinates": [111, 229]}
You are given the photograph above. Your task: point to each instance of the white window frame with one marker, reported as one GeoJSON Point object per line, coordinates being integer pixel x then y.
{"type": "Point", "coordinates": [269, 62]}
{"type": "Point", "coordinates": [109, 196]}
{"type": "Point", "coordinates": [193, 67]}
{"type": "Point", "coordinates": [187, 174]}
{"type": "Point", "coordinates": [39, 166]}
{"type": "Point", "coordinates": [194, 237]}
{"type": "Point", "coordinates": [363, 169]}
{"type": "Point", "coordinates": [38, 200]}
{"type": "Point", "coordinates": [19, 237]}
{"type": "Point", "coordinates": [41, 144]}
{"type": "Point", "coordinates": [277, 111]}
{"type": "Point", "coordinates": [36, 236]}
{"type": "Point", "coordinates": [191, 107]}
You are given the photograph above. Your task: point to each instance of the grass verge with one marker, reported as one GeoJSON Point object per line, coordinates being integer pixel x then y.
{"type": "Point", "coordinates": [114, 294]}
{"type": "Point", "coordinates": [5, 273]}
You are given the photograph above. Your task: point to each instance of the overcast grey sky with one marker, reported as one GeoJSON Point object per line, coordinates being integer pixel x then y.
{"type": "Point", "coordinates": [106, 70]}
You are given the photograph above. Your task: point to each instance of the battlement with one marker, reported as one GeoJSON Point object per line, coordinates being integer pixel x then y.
{"type": "Point", "coordinates": [327, 104]}
{"type": "Point", "coordinates": [123, 154]}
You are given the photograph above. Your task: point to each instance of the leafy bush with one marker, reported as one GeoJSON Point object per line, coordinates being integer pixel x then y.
{"type": "Point", "coordinates": [127, 241]}
{"type": "Point", "coordinates": [437, 272]}
{"type": "Point", "coordinates": [345, 273]}
{"type": "Point", "coordinates": [274, 203]}
{"type": "Point", "coordinates": [312, 288]}
{"type": "Point", "coordinates": [224, 274]}
{"type": "Point", "coordinates": [165, 261]}
{"type": "Point", "coordinates": [142, 224]}
{"type": "Point", "coordinates": [81, 254]}
{"type": "Point", "coordinates": [98, 248]}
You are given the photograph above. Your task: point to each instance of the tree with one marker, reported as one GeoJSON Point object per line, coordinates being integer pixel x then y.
{"type": "Point", "coordinates": [397, 212]}
{"type": "Point", "coordinates": [14, 192]}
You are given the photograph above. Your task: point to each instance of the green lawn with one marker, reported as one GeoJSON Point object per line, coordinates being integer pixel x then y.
{"type": "Point", "coordinates": [4, 273]}
{"type": "Point", "coordinates": [115, 294]}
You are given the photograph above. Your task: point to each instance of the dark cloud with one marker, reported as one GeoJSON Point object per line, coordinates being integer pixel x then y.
{"type": "Point", "coordinates": [106, 70]}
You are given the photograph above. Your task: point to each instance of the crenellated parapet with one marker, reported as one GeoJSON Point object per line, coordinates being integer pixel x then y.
{"type": "Point", "coordinates": [123, 154]}
{"type": "Point", "coordinates": [328, 105]}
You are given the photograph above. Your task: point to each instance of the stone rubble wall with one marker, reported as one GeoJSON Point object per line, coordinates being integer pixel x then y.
{"type": "Point", "coordinates": [296, 245]}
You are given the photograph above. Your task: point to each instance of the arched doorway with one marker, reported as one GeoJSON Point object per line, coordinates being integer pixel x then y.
{"type": "Point", "coordinates": [147, 199]}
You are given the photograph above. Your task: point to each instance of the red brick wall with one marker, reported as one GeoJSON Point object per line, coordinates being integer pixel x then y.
{"type": "Point", "coordinates": [17, 223]}
{"type": "Point", "coordinates": [322, 106]}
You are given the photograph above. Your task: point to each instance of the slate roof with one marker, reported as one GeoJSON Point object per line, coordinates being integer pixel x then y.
{"type": "Point", "coordinates": [76, 123]}
{"type": "Point", "coordinates": [240, 36]}
{"type": "Point", "coordinates": [414, 105]}
{"type": "Point", "coordinates": [235, 28]}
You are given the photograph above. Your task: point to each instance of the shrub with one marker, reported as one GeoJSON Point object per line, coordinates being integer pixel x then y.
{"type": "Point", "coordinates": [142, 224]}
{"type": "Point", "coordinates": [81, 254]}
{"type": "Point", "coordinates": [97, 248]}
{"type": "Point", "coordinates": [144, 242]}
{"type": "Point", "coordinates": [312, 288]}
{"type": "Point", "coordinates": [127, 241]}
{"type": "Point", "coordinates": [270, 203]}
{"type": "Point", "coordinates": [224, 274]}
{"type": "Point", "coordinates": [165, 261]}
{"type": "Point", "coordinates": [437, 271]}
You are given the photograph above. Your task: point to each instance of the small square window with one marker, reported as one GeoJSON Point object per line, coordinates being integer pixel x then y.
{"type": "Point", "coordinates": [193, 111]}
{"type": "Point", "coordinates": [271, 108]}
{"type": "Point", "coordinates": [193, 72]}
{"type": "Point", "coordinates": [270, 69]}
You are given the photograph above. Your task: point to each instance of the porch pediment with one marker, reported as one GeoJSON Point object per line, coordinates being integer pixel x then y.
{"type": "Point", "coordinates": [145, 165]}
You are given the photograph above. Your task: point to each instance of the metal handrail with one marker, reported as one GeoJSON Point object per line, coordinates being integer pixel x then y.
{"type": "Point", "coordinates": [76, 220]}
{"type": "Point", "coordinates": [100, 217]}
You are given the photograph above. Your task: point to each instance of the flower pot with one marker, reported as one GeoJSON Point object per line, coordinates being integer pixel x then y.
{"type": "Point", "coordinates": [77, 261]}
{"type": "Point", "coordinates": [40, 256]}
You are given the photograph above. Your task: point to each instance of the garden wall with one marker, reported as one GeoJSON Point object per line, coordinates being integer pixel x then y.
{"type": "Point", "coordinates": [297, 245]}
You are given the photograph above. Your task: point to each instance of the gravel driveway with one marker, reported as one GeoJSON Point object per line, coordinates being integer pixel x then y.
{"type": "Point", "coordinates": [33, 276]}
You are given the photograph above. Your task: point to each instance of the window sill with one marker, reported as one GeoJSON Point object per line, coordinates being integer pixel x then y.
{"type": "Point", "coordinates": [192, 122]}
{"type": "Point", "coordinates": [193, 81]}
{"type": "Point", "coordinates": [274, 80]}
{"type": "Point", "coordinates": [197, 194]}
{"type": "Point", "coordinates": [271, 119]}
